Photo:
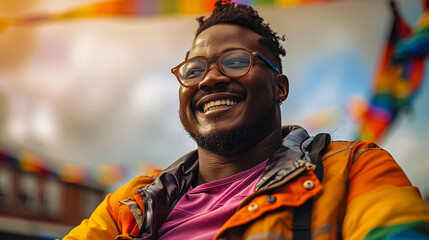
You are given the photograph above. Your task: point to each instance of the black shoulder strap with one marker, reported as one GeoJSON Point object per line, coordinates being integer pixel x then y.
{"type": "Point", "coordinates": [301, 225]}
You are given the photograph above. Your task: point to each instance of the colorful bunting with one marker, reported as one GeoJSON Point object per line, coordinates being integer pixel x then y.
{"type": "Point", "coordinates": [103, 175]}
{"type": "Point", "coordinates": [32, 163]}
{"type": "Point", "coordinates": [396, 84]}
{"type": "Point", "coordinates": [110, 174]}
{"type": "Point", "coordinates": [135, 8]}
{"type": "Point", "coordinates": [74, 173]}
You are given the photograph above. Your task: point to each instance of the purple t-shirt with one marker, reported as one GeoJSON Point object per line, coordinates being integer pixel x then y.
{"type": "Point", "coordinates": [202, 211]}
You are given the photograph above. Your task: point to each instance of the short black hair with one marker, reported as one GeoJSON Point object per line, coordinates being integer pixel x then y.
{"type": "Point", "coordinates": [228, 12]}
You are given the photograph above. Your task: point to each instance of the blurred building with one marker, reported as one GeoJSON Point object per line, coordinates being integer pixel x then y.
{"type": "Point", "coordinates": [40, 206]}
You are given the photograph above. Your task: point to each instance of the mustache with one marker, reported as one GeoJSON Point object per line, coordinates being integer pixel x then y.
{"type": "Point", "coordinates": [219, 90]}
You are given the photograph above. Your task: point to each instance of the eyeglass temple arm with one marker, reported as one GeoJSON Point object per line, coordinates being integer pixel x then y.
{"type": "Point", "coordinates": [268, 62]}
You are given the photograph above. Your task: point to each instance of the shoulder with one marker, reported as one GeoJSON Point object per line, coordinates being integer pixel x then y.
{"type": "Point", "coordinates": [123, 203]}
{"type": "Point", "coordinates": [364, 163]}
{"type": "Point", "coordinates": [130, 189]}
{"type": "Point", "coordinates": [379, 198]}
{"type": "Point", "coordinates": [111, 217]}
{"type": "Point", "coordinates": [348, 149]}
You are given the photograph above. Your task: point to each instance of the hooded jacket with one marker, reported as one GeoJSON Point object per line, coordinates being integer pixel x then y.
{"type": "Point", "coordinates": [310, 187]}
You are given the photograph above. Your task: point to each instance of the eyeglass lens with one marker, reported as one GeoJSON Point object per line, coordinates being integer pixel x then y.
{"type": "Point", "coordinates": [233, 64]}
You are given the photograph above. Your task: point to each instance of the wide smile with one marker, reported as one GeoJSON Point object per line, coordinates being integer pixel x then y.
{"type": "Point", "coordinates": [216, 104]}
{"type": "Point", "coordinates": [218, 101]}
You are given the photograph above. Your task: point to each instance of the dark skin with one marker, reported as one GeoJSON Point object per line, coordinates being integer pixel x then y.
{"type": "Point", "coordinates": [257, 96]}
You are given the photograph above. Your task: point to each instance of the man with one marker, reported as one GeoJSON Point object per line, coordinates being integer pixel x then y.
{"type": "Point", "coordinates": [250, 178]}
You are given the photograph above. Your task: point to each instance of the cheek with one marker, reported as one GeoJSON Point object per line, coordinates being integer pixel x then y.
{"type": "Point", "coordinates": [263, 88]}
{"type": "Point", "coordinates": [182, 94]}
{"type": "Point", "coordinates": [182, 100]}
{"type": "Point", "coordinates": [185, 110]}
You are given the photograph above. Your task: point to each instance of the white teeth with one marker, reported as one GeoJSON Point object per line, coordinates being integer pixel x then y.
{"type": "Point", "coordinates": [218, 103]}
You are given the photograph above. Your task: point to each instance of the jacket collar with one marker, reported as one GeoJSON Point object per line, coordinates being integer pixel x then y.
{"type": "Point", "coordinates": [290, 157]}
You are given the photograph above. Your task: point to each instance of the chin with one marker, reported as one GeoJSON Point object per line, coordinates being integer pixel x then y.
{"type": "Point", "coordinates": [224, 141]}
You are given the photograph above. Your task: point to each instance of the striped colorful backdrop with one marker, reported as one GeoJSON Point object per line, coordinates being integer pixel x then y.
{"type": "Point", "coordinates": [140, 8]}
{"type": "Point", "coordinates": [104, 175]}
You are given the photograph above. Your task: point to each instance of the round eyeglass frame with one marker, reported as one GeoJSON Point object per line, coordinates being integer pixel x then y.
{"type": "Point", "coordinates": [218, 58]}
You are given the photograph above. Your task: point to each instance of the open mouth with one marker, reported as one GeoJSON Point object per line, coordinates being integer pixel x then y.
{"type": "Point", "coordinates": [215, 104]}
{"type": "Point", "coordinates": [225, 100]}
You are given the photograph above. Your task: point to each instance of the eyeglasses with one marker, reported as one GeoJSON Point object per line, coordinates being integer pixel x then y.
{"type": "Point", "coordinates": [233, 64]}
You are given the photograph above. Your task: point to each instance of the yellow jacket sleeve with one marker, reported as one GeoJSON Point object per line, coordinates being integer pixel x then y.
{"type": "Point", "coordinates": [381, 200]}
{"type": "Point", "coordinates": [111, 218]}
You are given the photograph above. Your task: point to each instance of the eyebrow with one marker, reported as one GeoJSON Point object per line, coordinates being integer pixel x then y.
{"type": "Point", "coordinates": [223, 51]}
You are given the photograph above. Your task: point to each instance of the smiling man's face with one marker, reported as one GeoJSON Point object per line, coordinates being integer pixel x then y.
{"type": "Point", "coordinates": [234, 112]}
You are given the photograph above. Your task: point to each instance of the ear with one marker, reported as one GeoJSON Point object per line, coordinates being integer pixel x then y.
{"type": "Point", "coordinates": [282, 87]}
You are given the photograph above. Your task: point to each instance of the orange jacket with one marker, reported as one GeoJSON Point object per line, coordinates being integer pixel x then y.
{"type": "Point", "coordinates": [364, 194]}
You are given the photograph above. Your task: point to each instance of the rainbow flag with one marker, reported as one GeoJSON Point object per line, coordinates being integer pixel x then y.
{"type": "Point", "coordinates": [417, 45]}
{"type": "Point", "coordinates": [396, 84]}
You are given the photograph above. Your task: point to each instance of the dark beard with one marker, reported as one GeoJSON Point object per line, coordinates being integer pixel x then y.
{"type": "Point", "coordinates": [223, 141]}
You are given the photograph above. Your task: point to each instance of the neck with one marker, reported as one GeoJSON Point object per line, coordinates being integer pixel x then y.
{"type": "Point", "coordinates": [213, 166]}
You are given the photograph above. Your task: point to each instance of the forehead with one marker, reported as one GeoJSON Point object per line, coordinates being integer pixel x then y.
{"type": "Point", "coordinates": [220, 37]}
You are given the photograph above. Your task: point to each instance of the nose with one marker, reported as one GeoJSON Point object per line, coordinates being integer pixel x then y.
{"type": "Point", "coordinates": [213, 78]}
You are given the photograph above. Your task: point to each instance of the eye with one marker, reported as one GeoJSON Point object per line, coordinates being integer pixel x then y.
{"type": "Point", "coordinates": [193, 73]}
{"type": "Point", "coordinates": [236, 63]}
{"type": "Point", "coordinates": [192, 69]}
{"type": "Point", "coordinates": [236, 60]}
